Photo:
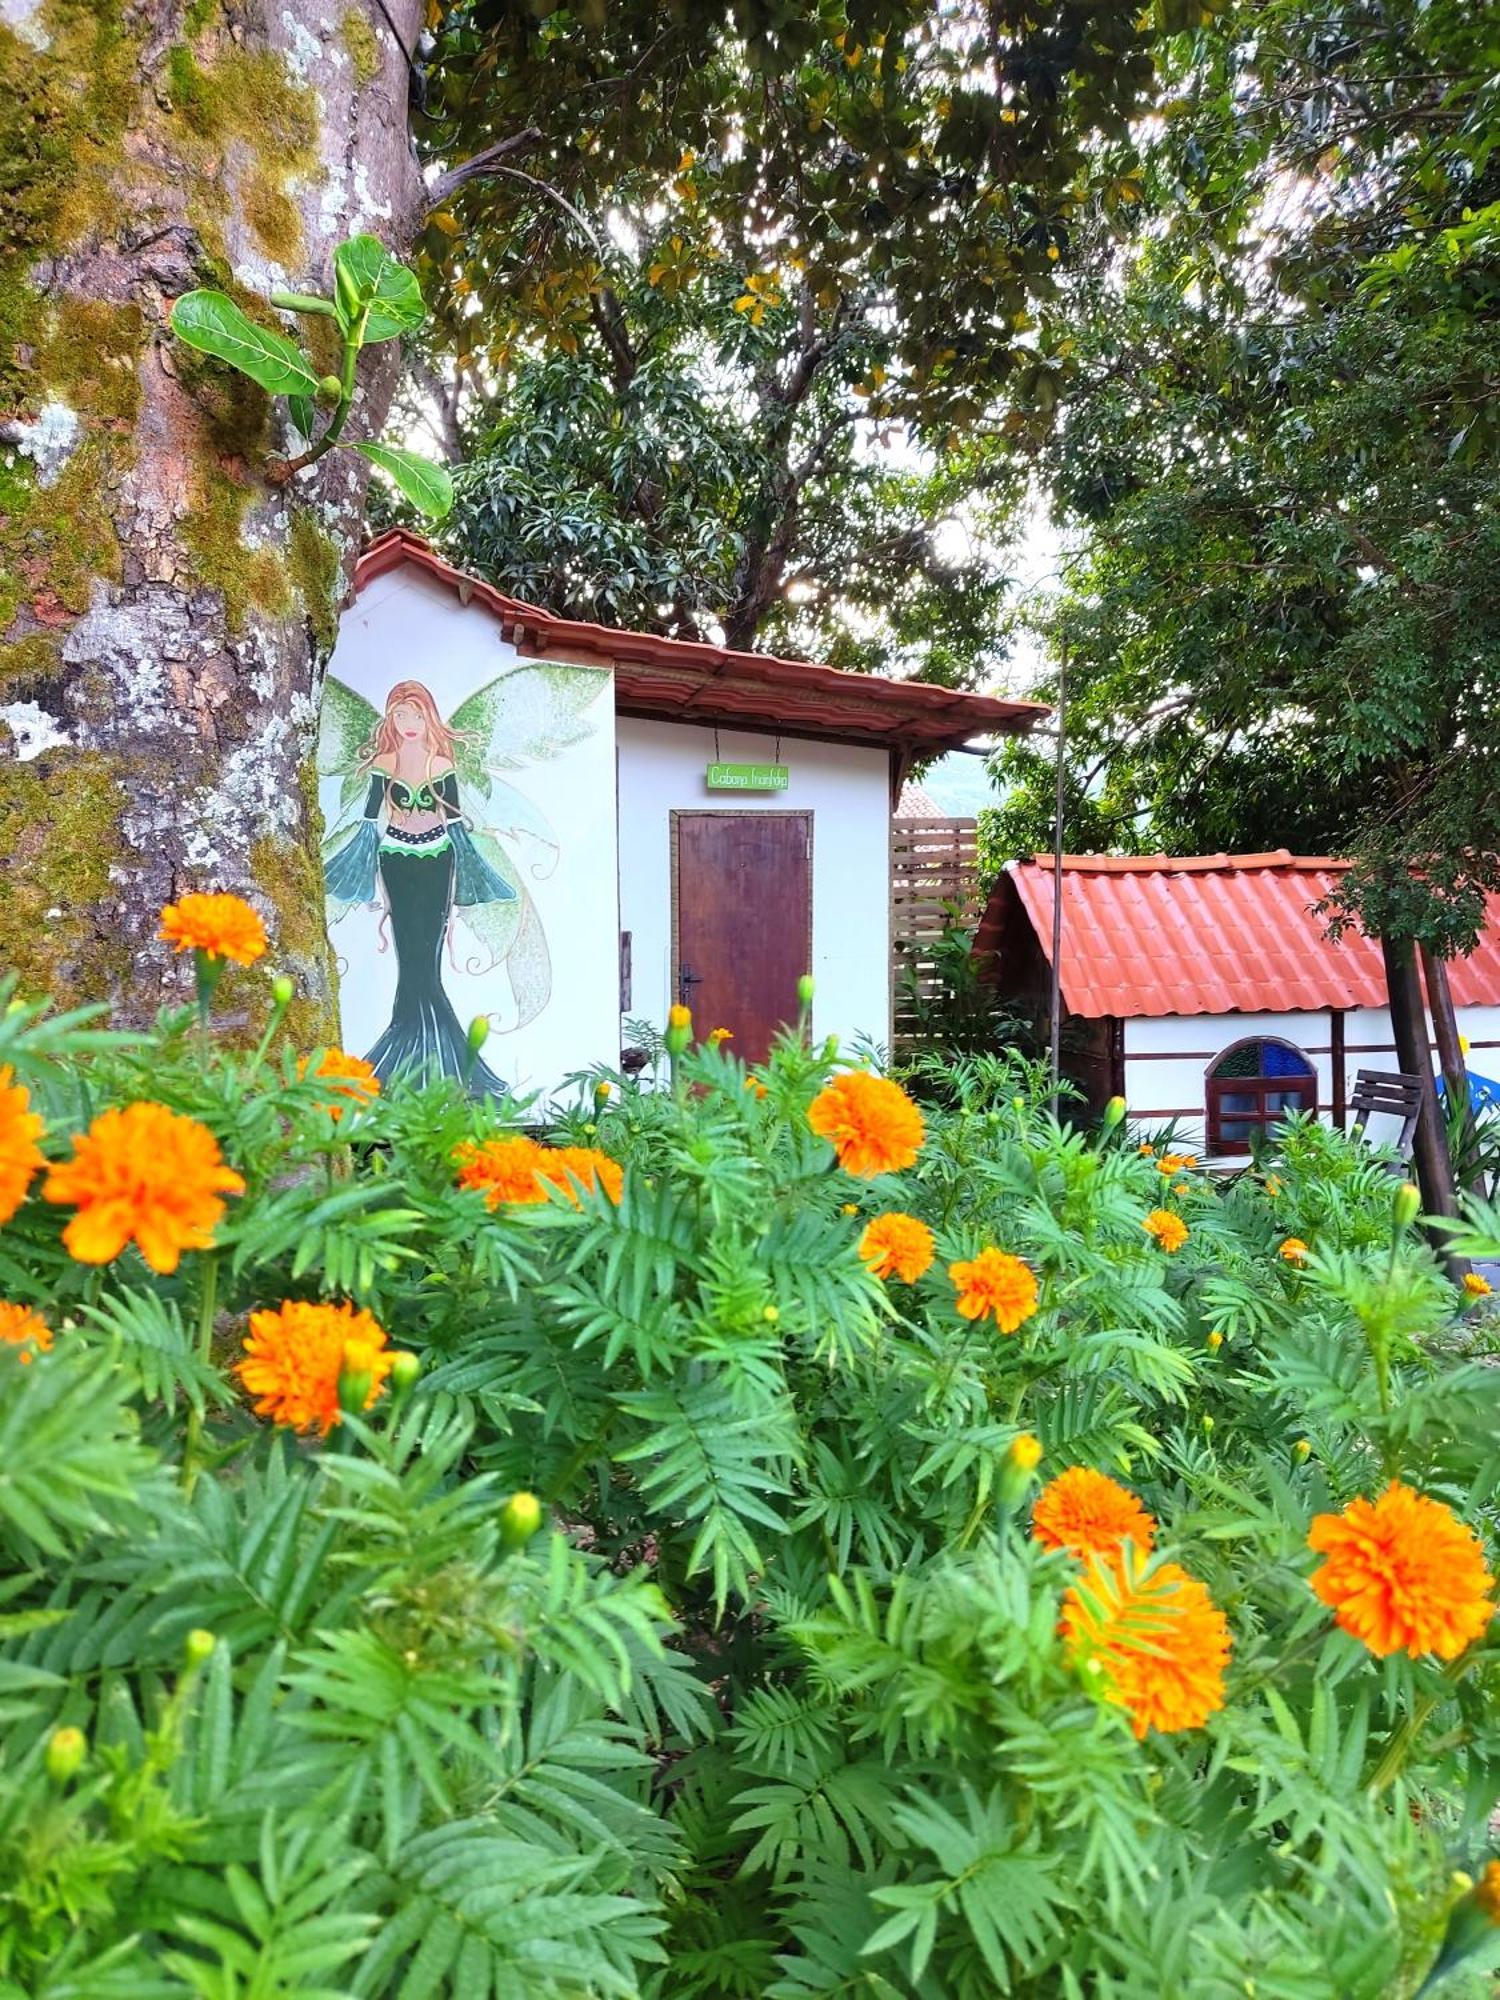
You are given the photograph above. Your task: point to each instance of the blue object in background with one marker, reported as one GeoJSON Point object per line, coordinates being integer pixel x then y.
{"type": "Point", "coordinates": [1484, 1093]}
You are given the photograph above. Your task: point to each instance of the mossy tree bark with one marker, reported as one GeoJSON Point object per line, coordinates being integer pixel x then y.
{"type": "Point", "coordinates": [164, 610]}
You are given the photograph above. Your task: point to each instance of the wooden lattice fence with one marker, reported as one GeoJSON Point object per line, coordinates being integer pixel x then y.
{"type": "Point", "coordinates": [934, 883]}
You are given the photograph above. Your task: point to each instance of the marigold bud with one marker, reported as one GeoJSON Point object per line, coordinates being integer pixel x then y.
{"type": "Point", "coordinates": [357, 1375]}
{"type": "Point", "coordinates": [520, 1518]}
{"type": "Point", "coordinates": [479, 1033]}
{"type": "Point", "coordinates": [66, 1750]}
{"type": "Point", "coordinates": [1114, 1112]}
{"type": "Point", "coordinates": [679, 1029]}
{"type": "Point", "coordinates": [1406, 1205]}
{"type": "Point", "coordinates": [198, 1646]}
{"type": "Point", "coordinates": [1208, 1424]}
{"type": "Point", "coordinates": [805, 990]}
{"type": "Point", "coordinates": [601, 1093]}
{"type": "Point", "coordinates": [1302, 1451]}
{"type": "Point", "coordinates": [405, 1370]}
{"type": "Point", "coordinates": [1022, 1457]}
{"type": "Point", "coordinates": [771, 1315]}
{"type": "Point", "coordinates": [283, 991]}
{"type": "Point", "coordinates": [1215, 1340]}
{"type": "Point", "coordinates": [1471, 1921]}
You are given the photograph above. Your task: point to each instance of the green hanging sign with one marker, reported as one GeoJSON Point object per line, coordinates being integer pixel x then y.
{"type": "Point", "coordinates": [747, 777]}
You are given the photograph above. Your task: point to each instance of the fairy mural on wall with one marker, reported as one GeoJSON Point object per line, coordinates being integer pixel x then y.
{"type": "Point", "coordinates": [436, 864]}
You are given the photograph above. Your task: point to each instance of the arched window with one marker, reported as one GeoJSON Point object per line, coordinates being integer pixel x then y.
{"type": "Point", "coordinates": [1252, 1087]}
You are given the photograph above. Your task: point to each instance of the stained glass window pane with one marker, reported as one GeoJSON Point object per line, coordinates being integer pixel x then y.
{"type": "Point", "coordinates": [1263, 1058]}
{"type": "Point", "coordinates": [1243, 1061]}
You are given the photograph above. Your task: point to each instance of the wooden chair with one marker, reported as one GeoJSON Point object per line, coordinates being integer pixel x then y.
{"type": "Point", "coordinates": [1392, 1093]}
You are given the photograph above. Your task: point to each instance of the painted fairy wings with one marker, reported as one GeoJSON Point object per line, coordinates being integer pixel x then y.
{"type": "Point", "coordinates": [527, 713]}
{"type": "Point", "coordinates": [346, 724]}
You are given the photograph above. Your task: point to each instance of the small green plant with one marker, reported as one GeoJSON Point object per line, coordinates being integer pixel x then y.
{"type": "Point", "coordinates": [375, 298]}
{"type": "Point", "coordinates": [945, 1004]}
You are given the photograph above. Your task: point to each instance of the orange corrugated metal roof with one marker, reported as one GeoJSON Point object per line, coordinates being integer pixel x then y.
{"type": "Point", "coordinates": [1207, 934]}
{"type": "Point", "coordinates": [685, 680]}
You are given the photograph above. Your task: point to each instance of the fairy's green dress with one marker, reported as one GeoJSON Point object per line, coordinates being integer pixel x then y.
{"type": "Point", "coordinates": [424, 875]}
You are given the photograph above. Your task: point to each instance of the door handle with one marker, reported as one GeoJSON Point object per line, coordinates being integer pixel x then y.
{"type": "Point", "coordinates": [686, 977]}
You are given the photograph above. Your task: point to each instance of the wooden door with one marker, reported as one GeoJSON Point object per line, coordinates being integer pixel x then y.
{"type": "Point", "coordinates": [742, 921]}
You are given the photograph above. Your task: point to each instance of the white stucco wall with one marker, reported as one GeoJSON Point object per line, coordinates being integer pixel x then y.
{"type": "Point", "coordinates": [847, 790]}
{"type": "Point", "coordinates": [1166, 1058]}
{"type": "Point", "coordinates": [556, 826]}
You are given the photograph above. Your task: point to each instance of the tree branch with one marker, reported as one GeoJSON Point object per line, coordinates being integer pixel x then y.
{"type": "Point", "coordinates": [447, 185]}
{"type": "Point", "coordinates": [608, 316]}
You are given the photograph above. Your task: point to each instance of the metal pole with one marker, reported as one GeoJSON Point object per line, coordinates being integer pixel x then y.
{"type": "Point", "coordinates": [1057, 878]}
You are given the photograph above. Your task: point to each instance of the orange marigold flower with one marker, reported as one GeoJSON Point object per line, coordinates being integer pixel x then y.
{"type": "Point", "coordinates": [1273, 1186]}
{"type": "Point", "coordinates": [294, 1356]}
{"type": "Point", "coordinates": [1477, 1287]}
{"type": "Point", "coordinates": [350, 1077]}
{"type": "Point", "coordinates": [871, 1122]}
{"type": "Point", "coordinates": [996, 1284]}
{"type": "Point", "coordinates": [717, 1035]}
{"type": "Point", "coordinates": [1145, 1148]}
{"type": "Point", "coordinates": [562, 1166]}
{"type": "Point", "coordinates": [1487, 1891]}
{"type": "Point", "coordinates": [1173, 1163]}
{"type": "Point", "coordinates": [1090, 1514]}
{"type": "Point", "coordinates": [1155, 1637]}
{"type": "Point", "coordinates": [1403, 1573]}
{"type": "Point", "coordinates": [897, 1246]}
{"type": "Point", "coordinates": [679, 1017]}
{"type": "Point", "coordinates": [516, 1170]}
{"type": "Point", "coordinates": [23, 1328]}
{"type": "Point", "coordinates": [20, 1155]}
{"type": "Point", "coordinates": [143, 1172]}
{"type": "Point", "coordinates": [220, 926]}
{"type": "Point", "coordinates": [1293, 1251]}
{"type": "Point", "coordinates": [1170, 1231]}
{"type": "Point", "coordinates": [505, 1169]}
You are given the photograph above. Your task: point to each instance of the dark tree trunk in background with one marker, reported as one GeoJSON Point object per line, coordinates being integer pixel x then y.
{"type": "Point", "coordinates": [1451, 1059]}
{"type": "Point", "coordinates": [164, 611]}
{"type": "Point", "coordinates": [1409, 1031]}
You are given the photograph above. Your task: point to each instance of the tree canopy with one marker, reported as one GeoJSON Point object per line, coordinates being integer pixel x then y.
{"type": "Point", "coordinates": [1278, 461]}
{"type": "Point", "coordinates": [722, 325]}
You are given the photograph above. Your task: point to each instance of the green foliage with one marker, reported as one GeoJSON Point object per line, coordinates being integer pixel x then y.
{"type": "Point", "coordinates": [375, 299]}
{"type": "Point", "coordinates": [746, 300]}
{"type": "Point", "coordinates": [1278, 463]}
{"type": "Point", "coordinates": [946, 1006]}
{"type": "Point", "coordinates": [775, 1700]}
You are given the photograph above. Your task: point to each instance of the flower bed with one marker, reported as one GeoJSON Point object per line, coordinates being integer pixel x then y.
{"type": "Point", "coordinates": [760, 1539]}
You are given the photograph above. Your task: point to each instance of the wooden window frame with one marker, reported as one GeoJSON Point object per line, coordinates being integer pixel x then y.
{"type": "Point", "coordinates": [1216, 1088]}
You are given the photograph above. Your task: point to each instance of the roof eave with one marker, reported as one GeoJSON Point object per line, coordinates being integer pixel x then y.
{"type": "Point", "coordinates": [693, 681]}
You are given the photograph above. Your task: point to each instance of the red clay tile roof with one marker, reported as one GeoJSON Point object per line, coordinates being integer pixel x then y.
{"type": "Point", "coordinates": [685, 681]}
{"type": "Point", "coordinates": [914, 803]}
{"type": "Point", "coordinates": [1205, 934]}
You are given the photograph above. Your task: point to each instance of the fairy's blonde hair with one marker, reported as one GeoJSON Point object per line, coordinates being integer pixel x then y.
{"type": "Point", "coordinates": [441, 740]}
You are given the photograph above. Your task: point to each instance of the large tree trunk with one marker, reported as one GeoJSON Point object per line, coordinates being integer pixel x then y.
{"type": "Point", "coordinates": [1414, 1053]}
{"type": "Point", "coordinates": [164, 611]}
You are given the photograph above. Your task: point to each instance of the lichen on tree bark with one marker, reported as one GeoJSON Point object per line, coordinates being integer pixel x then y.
{"type": "Point", "coordinates": [165, 612]}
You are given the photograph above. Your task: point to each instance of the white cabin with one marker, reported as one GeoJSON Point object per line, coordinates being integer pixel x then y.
{"type": "Point", "coordinates": [702, 825]}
